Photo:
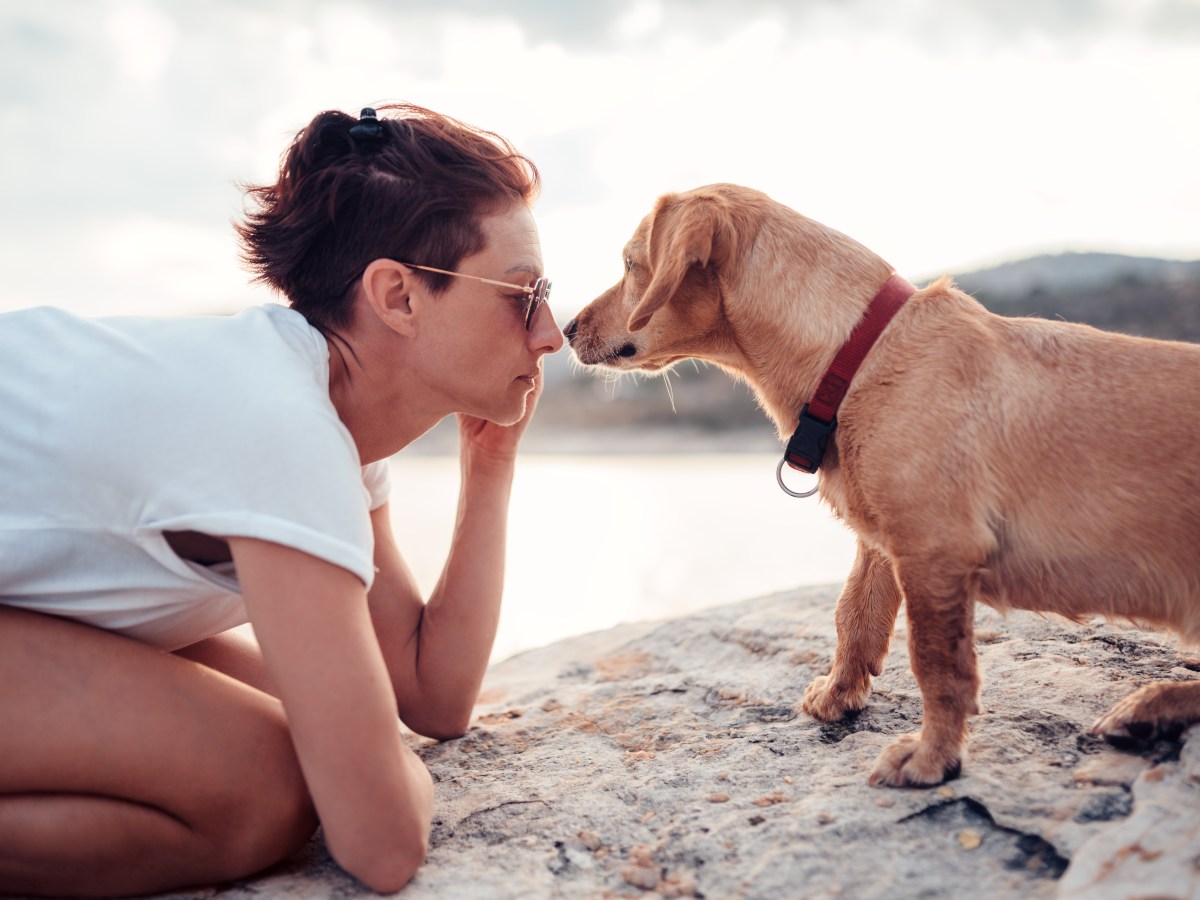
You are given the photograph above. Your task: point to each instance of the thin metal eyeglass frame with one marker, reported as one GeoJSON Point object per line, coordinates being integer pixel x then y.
{"type": "Point", "coordinates": [539, 293]}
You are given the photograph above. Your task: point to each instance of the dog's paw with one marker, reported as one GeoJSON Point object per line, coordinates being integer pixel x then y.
{"type": "Point", "coordinates": [828, 701]}
{"type": "Point", "coordinates": [1145, 716]}
{"type": "Point", "coordinates": [912, 762]}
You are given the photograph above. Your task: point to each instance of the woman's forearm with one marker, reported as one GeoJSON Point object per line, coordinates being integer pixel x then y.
{"type": "Point", "coordinates": [458, 625]}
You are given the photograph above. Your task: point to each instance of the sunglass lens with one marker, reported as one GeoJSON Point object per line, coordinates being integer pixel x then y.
{"type": "Point", "coordinates": [541, 294]}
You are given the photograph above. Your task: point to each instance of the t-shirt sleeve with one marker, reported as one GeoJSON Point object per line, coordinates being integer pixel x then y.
{"type": "Point", "coordinates": [232, 433]}
{"type": "Point", "coordinates": [310, 500]}
{"type": "Point", "coordinates": [377, 479]}
{"type": "Point", "coordinates": [288, 474]}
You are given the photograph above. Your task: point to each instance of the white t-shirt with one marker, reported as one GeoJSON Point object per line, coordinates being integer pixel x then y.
{"type": "Point", "coordinates": [115, 430]}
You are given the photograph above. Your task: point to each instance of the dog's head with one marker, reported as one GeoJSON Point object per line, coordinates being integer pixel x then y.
{"type": "Point", "coordinates": [668, 304]}
{"type": "Point", "coordinates": [727, 275]}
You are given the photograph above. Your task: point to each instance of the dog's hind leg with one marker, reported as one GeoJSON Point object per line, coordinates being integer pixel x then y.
{"type": "Point", "coordinates": [1160, 710]}
{"type": "Point", "coordinates": [941, 646]}
{"type": "Point", "coordinates": [865, 617]}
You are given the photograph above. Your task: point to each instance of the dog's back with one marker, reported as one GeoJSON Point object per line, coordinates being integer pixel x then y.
{"type": "Point", "coordinates": [1061, 458]}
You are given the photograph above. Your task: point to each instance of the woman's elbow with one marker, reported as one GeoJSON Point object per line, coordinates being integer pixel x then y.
{"type": "Point", "coordinates": [441, 729]}
{"type": "Point", "coordinates": [443, 726]}
{"type": "Point", "coordinates": [385, 851]}
{"type": "Point", "coordinates": [387, 873]}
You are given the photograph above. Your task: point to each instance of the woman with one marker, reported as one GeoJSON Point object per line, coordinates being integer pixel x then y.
{"type": "Point", "coordinates": [167, 479]}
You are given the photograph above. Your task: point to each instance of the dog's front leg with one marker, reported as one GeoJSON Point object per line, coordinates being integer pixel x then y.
{"type": "Point", "coordinates": [941, 646]}
{"type": "Point", "coordinates": [865, 617]}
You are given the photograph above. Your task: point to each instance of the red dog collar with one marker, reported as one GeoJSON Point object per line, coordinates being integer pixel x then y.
{"type": "Point", "coordinates": [818, 419]}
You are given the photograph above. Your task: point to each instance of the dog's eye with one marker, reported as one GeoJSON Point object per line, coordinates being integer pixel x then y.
{"type": "Point", "coordinates": [628, 264]}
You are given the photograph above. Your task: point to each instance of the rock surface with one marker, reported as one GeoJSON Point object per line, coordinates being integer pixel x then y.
{"type": "Point", "coordinates": [668, 759]}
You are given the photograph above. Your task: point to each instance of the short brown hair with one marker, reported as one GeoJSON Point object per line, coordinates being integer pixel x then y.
{"type": "Point", "coordinates": [414, 195]}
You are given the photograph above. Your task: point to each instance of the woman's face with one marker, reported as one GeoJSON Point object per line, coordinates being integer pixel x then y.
{"type": "Point", "coordinates": [487, 363]}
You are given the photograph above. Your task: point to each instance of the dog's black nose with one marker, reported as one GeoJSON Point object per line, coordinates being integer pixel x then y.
{"type": "Point", "coordinates": [570, 329]}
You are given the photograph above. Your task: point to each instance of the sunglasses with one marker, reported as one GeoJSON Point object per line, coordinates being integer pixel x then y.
{"type": "Point", "coordinates": [538, 293]}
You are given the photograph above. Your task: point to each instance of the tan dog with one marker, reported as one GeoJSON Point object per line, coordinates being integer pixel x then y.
{"type": "Point", "coordinates": [1025, 463]}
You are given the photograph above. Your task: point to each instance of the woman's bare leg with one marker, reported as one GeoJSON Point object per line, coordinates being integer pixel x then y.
{"type": "Point", "coordinates": [236, 654]}
{"type": "Point", "coordinates": [124, 769]}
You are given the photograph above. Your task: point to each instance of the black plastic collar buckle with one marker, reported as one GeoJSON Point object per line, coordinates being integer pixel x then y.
{"type": "Point", "coordinates": [806, 447]}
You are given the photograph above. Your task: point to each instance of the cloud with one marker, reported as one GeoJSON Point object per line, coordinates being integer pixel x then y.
{"type": "Point", "coordinates": [611, 23]}
{"type": "Point", "coordinates": [938, 133]}
{"type": "Point", "coordinates": [1174, 20]}
{"type": "Point", "coordinates": [143, 39]}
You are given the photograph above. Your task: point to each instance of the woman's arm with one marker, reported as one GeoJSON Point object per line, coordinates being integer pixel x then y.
{"type": "Point", "coordinates": [437, 652]}
{"type": "Point", "coordinates": [372, 794]}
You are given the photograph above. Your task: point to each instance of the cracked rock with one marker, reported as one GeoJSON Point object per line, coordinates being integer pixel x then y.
{"type": "Point", "coordinates": [666, 757]}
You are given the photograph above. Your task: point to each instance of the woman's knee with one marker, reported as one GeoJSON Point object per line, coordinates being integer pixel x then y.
{"type": "Point", "coordinates": [271, 819]}
{"type": "Point", "coordinates": [278, 826]}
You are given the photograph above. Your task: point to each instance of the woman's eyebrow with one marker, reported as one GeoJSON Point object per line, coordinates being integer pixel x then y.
{"type": "Point", "coordinates": [527, 268]}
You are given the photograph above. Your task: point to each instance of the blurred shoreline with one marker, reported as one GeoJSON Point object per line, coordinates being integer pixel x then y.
{"type": "Point", "coordinates": [684, 439]}
{"type": "Point", "coordinates": [598, 539]}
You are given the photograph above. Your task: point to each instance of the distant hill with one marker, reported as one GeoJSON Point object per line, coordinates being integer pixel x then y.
{"type": "Point", "coordinates": [1075, 272]}
{"type": "Point", "coordinates": [1130, 294]}
{"type": "Point", "coordinates": [583, 412]}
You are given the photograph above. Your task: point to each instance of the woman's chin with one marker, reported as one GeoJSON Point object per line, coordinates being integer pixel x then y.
{"type": "Point", "coordinates": [515, 407]}
{"type": "Point", "coordinates": [507, 410]}
{"type": "Point", "coordinates": [504, 414]}
{"type": "Point", "coordinates": [510, 416]}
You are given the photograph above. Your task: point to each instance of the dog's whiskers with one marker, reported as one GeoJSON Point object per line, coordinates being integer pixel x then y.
{"type": "Point", "coordinates": [666, 379]}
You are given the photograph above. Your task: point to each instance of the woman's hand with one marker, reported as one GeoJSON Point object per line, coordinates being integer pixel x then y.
{"type": "Point", "coordinates": [484, 440]}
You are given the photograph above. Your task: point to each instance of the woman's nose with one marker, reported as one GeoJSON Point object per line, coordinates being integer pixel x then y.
{"type": "Point", "coordinates": [545, 331]}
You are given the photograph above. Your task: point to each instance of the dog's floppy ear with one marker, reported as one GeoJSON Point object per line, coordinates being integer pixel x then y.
{"type": "Point", "coordinates": [684, 232]}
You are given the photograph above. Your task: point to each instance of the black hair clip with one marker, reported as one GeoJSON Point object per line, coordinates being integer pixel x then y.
{"type": "Point", "coordinates": [369, 129]}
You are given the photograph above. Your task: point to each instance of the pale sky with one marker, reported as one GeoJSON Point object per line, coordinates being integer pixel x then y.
{"type": "Point", "coordinates": [944, 135]}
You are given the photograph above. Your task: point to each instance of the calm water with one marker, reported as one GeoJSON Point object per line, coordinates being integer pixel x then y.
{"type": "Point", "coordinates": [595, 541]}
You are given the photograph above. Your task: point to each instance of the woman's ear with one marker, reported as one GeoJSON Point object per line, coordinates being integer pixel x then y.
{"type": "Point", "coordinates": [388, 290]}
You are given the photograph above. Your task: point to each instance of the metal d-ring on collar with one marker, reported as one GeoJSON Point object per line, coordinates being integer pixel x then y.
{"type": "Point", "coordinates": [806, 447]}
{"type": "Point", "coordinates": [787, 490]}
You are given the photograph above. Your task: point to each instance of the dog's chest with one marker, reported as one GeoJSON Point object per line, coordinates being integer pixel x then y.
{"type": "Point", "coordinates": [851, 510]}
